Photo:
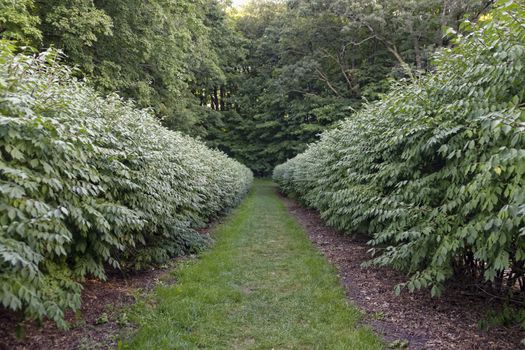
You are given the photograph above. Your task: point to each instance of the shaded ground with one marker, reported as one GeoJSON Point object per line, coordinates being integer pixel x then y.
{"type": "Point", "coordinates": [89, 328]}
{"type": "Point", "coordinates": [262, 286]}
{"type": "Point", "coordinates": [449, 322]}
{"type": "Point", "coordinates": [101, 300]}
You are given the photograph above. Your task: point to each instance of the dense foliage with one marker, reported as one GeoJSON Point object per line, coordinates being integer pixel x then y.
{"type": "Point", "coordinates": [258, 83]}
{"type": "Point", "coordinates": [435, 170]}
{"type": "Point", "coordinates": [310, 63]}
{"type": "Point", "coordinates": [89, 181]}
{"type": "Point", "coordinates": [160, 53]}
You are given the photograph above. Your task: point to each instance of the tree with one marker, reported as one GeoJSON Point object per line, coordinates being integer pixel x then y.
{"type": "Point", "coordinates": [18, 21]}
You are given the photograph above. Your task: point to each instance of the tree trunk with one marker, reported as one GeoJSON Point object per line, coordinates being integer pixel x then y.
{"type": "Point", "coordinates": [222, 105]}
{"type": "Point", "coordinates": [443, 22]}
{"type": "Point", "coordinates": [212, 99]}
{"type": "Point", "coordinates": [417, 52]}
{"type": "Point", "coordinates": [202, 96]}
{"type": "Point", "coordinates": [216, 98]}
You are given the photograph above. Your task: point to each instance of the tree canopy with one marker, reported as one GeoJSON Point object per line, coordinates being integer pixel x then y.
{"type": "Point", "coordinates": [258, 83]}
{"type": "Point", "coordinates": [311, 63]}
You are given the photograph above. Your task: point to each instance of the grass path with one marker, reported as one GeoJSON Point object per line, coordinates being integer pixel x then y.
{"type": "Point", "coordinates": [262, 286]}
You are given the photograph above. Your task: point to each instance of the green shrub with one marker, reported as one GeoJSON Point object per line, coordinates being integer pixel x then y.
{"type": "Point", "coordinates": [434, 171]}
{"type": "Point", "coordinates": [87, 181]}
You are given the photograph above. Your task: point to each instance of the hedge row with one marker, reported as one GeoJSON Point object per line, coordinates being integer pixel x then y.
{"type": "Point", "coordinates": [435, 170]}
{"type": "Point", "coordinates": [87, 181]}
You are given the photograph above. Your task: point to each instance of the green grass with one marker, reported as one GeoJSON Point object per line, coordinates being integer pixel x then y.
{"type": "Point", "coordinates": [262, 286]}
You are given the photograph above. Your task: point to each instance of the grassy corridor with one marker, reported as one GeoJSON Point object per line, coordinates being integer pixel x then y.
{"type": "Point", "coordinates": [262, 286]}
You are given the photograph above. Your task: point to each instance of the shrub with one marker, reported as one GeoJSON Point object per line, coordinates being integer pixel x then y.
{"type": "Point", "coordinates": [87, 181]}
{"type": "Point", "coordinates": [434, 171]}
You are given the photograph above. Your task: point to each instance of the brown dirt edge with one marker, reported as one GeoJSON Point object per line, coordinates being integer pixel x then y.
{"type": "Point", "coordinates": [111, 297]}
{"type": "Point", "coordinates": [449, 322]}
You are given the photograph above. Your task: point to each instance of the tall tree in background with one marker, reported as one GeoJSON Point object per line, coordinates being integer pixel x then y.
{"type": "Point", "coordinates": [259, 83]}
{"type": "Point", "coordinates": [312, 62]}
{"type": "Point", "coordinates": [18, 21]}
{"type": "Point", "coordinates": [154, 52]}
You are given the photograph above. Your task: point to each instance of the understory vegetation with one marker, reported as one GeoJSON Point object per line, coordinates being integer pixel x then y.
{"type": "Point", "coordinates": [88, 181]}
{"type": "Point", "coordinates": [434, 171]}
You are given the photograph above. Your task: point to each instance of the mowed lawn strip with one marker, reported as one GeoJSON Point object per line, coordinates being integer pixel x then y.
{"type": "Point", "coordinates": [262, 286]}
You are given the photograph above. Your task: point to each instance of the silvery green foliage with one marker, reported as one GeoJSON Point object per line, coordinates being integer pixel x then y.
{"type": "Point", "coordinates": [87, 181]}
{"type": "Point", "coordinates": [435, 170]}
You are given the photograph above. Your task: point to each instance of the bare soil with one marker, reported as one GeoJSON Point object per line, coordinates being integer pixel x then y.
{"type": "Point", "coordinates": [449, 322]}
{"type": "Point", "coordinates": [101, 300]}
{"type": "Point", "coordinates": [100, 323]}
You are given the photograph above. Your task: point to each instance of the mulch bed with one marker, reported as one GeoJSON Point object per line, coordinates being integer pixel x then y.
{"type": "Point", "coordinates": [87, 331]}
{"type": "Point", "coordinates": [99, 298]}
{"type": "Point", "coordinates": [449, 322]}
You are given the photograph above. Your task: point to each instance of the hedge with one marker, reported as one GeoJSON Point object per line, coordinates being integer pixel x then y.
{"type": "Point", "coordinates": [434, 171]}
{"type": "Point", "coordinates": [88, 181]}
